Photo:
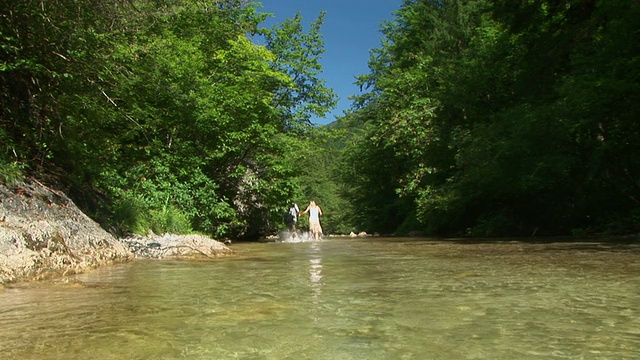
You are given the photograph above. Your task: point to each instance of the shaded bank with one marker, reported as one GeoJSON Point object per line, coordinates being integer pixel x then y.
{"type": "Point", "coordinates": [43, 234]}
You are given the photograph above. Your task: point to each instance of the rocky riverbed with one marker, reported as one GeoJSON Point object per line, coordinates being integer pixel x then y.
{"type": "Point", "coordinates": [43, 235]}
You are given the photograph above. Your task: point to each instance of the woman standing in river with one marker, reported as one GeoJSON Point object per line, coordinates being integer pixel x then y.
{"type": "Point", "coordinates": [314, 219]}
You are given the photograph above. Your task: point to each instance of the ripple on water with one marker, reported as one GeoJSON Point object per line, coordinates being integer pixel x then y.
{"type": "Point", "coordinates": [341, 299]}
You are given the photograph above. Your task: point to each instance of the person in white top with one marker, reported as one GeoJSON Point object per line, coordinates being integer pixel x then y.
{"type": "Point", "coordinates": [314, 219]}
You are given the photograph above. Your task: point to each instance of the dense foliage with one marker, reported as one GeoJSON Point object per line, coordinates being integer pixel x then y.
{"type": "Point", "coordinates": [500, 118]}
{"type": "Point", "coordinates": [161, 115]}
{"type": "Point", "coordinates": [479, 117]}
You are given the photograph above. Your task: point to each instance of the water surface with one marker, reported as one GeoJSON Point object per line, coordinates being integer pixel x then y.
{"type": "Point", "coordinates": [373, 298]}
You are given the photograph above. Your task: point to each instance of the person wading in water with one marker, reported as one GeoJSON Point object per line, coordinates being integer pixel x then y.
{"type": "Point", "coordinates": [292, 218]}
{"type": "Point", "coordinates": [314, 219]}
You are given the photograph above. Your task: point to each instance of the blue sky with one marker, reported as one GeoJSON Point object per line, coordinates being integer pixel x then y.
{"type": "Point", "coordinates": [351, 29]}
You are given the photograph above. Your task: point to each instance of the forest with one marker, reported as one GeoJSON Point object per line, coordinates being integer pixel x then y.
{"type": "Point", "coordinates": [479, 118]}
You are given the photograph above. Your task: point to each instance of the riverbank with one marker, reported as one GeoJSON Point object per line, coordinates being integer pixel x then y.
{"type": "Point", "coordinates": [43, 234]}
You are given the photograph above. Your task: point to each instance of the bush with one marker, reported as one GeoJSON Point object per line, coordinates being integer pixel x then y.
{"type": "Point", "coordinates": [492, 225]}
{"type": "Point", "coordinates": [10, 172]}
{"type": "Point", "coordinates": [130, 215]}
{"type": "Point", "coordinates": [170, 220]}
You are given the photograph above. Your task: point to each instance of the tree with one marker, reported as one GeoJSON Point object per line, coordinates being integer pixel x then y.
{"type": "Point", "coordinates": [298, 55]}
{"type": "Point", "coordinates": [158, 107]}
{"type": "Point", "coordinates": [409, 123]}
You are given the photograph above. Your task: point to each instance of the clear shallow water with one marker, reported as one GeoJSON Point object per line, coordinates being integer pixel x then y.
{"type": "Point", "coordinates": [370, 298]}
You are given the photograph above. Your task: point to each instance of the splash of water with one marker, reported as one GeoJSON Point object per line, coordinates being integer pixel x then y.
{"type": "Point", "coordinates": [296, 237]}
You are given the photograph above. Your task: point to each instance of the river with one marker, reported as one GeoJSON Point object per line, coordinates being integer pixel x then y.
{"type": "Point", "coordinates": [341, 298]}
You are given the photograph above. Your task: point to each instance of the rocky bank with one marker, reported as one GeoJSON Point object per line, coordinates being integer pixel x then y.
{"type": "Point", "coordinates": [43, 235]}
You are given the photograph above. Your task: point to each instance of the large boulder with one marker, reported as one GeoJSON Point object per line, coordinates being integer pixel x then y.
{"type": "Point", "coordinates": [43, 234]}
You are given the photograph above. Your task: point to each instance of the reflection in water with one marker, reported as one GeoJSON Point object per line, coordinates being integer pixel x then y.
{"type": "Point", "coordinates": [340, 299]}
{"type": "Point", "coordinates": [315, 272]}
